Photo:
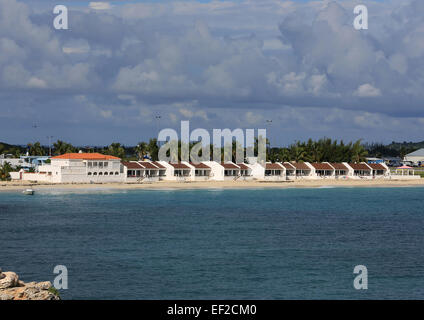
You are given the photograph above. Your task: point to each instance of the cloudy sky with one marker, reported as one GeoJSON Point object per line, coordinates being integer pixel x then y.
{"type": "Point", "coordinates": [218, 64]}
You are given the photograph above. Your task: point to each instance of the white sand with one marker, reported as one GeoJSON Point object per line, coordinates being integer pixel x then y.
{"type": "Point", "coordinates": [18, 186]}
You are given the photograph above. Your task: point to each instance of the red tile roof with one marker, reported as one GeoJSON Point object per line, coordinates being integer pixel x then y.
{"type": "Point", "coordinates": [85, 156]}
{"type": "Point", "coordinates": [273, 166]}
{"type": "Point", "coordinates": [132, 165]}
{"type": "Point", "coordinates": [148, 165]}
{"type": "Point", "coordinates": [377, 166]}
{"type": "Point", "coordinates": [200, 165]}
{"type": "Point", "coordinates": [322, 166]}
{"type": "Point", "coordinates": [359, 166]}
{"type": "Point", "coordinates": [339, 166]}
{"type": "Point", "coordinates": [243, 166]}
{"type": "Point", "coordinates": [179, 165]}
{"type": "Point", "coordinates": [230, 166]}
{"type": "Point", "coordinates": [157, 164]}
{"type": "Point", "coordinates": [288, 166]}
{"type": "Point", "coordinates": [300, 166]}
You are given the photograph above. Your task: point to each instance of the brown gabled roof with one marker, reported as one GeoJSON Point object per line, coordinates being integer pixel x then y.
{"type": "Point", "coordinates": [377, 166]}
{"type": "Point", "coordinates": [359, 166]}
{"type": "Point", "coordinates": [288, 166]}
{"type": "Point", "coordinates": [132, 165]}
{"type": "Point", "coordinates": [200, 165]}
{"type": "Point", "coordinates": [179, 165]}
{"type": "Point", "coordinates": [339, 166]}
{"type": "Point", "coordinates": [230, 166]}
{"type": "Point", "coordinates": [322, 166]}
{"type": "Point", "coordinates": [300, 166]}
{"type": "Point", "coordinates": [273, 166]}
{"type": "Point", "coordinates": [157, 164]}
{"type": "Point", "coordinates": [148, 165]}
{"type": "Point", "coordinates": [243, 166]}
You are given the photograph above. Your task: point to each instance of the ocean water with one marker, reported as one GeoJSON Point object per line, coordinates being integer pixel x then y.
{"type": "Point", "coordinates": [218, 244]}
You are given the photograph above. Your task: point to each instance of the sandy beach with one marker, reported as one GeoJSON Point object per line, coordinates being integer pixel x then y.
{"type": "Point", "coordinates": [18, 186]}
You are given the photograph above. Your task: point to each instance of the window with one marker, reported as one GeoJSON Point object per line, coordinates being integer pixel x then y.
{"type": "Point", "coordinates": [116, 173]}
{"type": "Point", "coordinates": [89, 173]}
{"type": "Point", "coordinates": [105, 164]}
{"type": "Point", "coordinates": [106, 173]}
{"type": "Point", "coordinates": [94, 164]}
{"type": "Point", "coordinates": [100, 164]}
{"type": "Point", "coordinates": [89, 164]}
{"type": "Point", "coordinates": [95, 174]}
{"type": "Point", "coordinates": [111, 173]}
{"type": "Point", "coordinates": [100, 173]}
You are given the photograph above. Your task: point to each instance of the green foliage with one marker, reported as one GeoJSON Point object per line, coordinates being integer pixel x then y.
{"type": "Point", "coordinates": [35, 149]}
{"type": "Point", "coordinates": [323, 150]}
{"type": "Point", "coordinates": [54, 291]}
{"type": "Point", "coordinates": [5, 170]}
{"type": "Point", "coordinates": [61, 147]}
{"type": "Point", "coordinates": [116, 150]}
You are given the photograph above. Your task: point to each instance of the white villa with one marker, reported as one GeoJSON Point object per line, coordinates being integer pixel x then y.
{"type": "Point", "coordinates": [78, 168]}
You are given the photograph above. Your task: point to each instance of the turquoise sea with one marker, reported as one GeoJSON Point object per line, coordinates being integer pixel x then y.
{"type": "Point", "coordinates": [218, 244]}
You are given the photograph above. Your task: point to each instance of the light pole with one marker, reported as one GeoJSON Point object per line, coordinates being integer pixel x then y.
{"type": "Point", "coordinates": [50, 145]}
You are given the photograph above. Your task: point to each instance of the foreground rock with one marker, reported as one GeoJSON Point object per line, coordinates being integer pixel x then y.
{"type": "Point", "coordinates": [11, 288]}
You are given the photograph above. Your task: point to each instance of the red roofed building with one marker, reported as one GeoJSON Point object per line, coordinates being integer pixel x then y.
{"type": "Point", "coordinates": [275, 171]}
{"type": "Point", "coordinates": [81, 168]}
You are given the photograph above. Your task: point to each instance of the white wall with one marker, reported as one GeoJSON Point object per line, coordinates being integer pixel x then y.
{"type": "Point", "coordinates": [217, 171]}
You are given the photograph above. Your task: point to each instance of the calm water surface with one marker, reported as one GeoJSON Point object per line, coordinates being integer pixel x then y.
{"type": "Point", "coordinates": [218, 244]}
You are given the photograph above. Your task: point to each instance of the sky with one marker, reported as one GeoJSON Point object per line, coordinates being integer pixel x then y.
{"type": "Point", "coordinates": [126, 69]}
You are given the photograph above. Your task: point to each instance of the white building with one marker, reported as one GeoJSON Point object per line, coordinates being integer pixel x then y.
{"type": "Point", "coordinates": [415, 158]}
{"type": "Point", "coordinates": [78, 168]}
{"type": "Point", "coordinates": [274, 172]}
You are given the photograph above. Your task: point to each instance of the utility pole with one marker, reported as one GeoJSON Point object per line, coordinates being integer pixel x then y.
{"type": "Point", "coordinates": [50, 145]}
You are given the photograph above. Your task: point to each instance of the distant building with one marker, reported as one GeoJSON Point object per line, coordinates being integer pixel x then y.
{"type": "Point", "coordinates": [374, 160]}
{"type": "Point", "coordinates": [415, 158]}
{"type": "Point", "coordinates": [78, 168]}
{"type": "Point", "coordinates": [25, 162]}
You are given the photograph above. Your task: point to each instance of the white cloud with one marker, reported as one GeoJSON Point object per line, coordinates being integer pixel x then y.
{"type": "Point", "coordinates": [367, 90]}
{"type": "Point", "coordinates": [97, 5]}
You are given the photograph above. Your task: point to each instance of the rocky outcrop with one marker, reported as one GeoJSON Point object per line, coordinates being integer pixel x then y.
{"type": "Point", "coordinates": [11, 288]}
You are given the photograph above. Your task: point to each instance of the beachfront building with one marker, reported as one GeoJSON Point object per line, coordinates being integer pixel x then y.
{"type": "Point", "coordinates": [322, 170]}
{"type": "Point", "coordinates": [341, 170]}
{"type": "Point", "coordinates": [140, 171]}
{"type": "Point", "coordinates": [379, 170]}
{"type": "Point", "coordinates": [245, 172]}
{"type": "Point", "coordinates": [200, 171]}
{"type": "Point", "coordinates": [290, 170]}
{"type": "Point", "coordinates": [274, 172]}
{"type": "Point", "coordinates": [217, 170]}
{"type": "Point", "coordinates": [303, 170]}
{"type": "Point", "coordinates": [78, 168]}
{"type": "Point", "coordinates": [361, 170]}
{"type": "Point", "coordinates": [231, 171]}
{"type": "Point", "coordinates": [178, 171]}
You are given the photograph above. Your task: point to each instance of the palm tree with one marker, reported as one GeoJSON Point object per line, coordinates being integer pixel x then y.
{"type": "Point", "coordinates": [358, 152]}
{"type": "Point", "coordinates": [142, 150]}
{"type": "Point", "coordinates": [153, 149]}
{"type": "Point", "coordinates": [115, 149]}
{"type": "Point", "coordinates": [61, 147]}
{"type": "Point", "coordinates": [35, 149]}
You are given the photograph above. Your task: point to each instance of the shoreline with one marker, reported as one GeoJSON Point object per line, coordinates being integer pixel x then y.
{"type": "Point", "coordinates": [166, 185]}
